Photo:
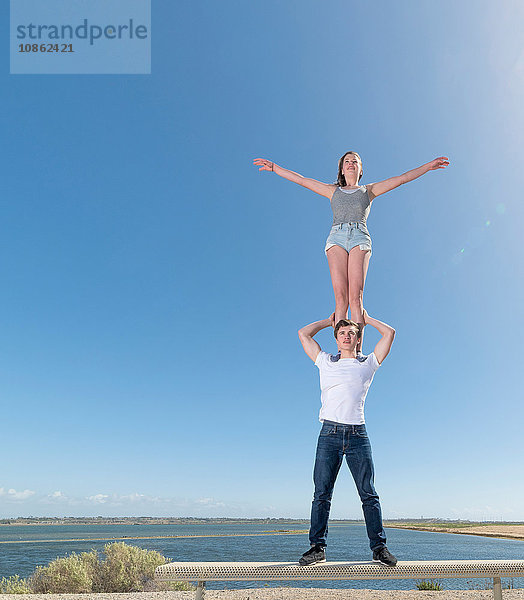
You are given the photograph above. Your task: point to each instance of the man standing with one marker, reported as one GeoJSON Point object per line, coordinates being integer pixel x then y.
{"type": "Point", "coordinates": [344, 382]}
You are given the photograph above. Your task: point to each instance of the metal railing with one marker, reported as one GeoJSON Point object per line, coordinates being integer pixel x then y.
{"type": "Point", "coordinates": [278, 571]}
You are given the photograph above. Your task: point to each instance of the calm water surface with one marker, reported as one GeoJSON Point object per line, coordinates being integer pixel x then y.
{"type": "Point", "coordinates": [346, 542]}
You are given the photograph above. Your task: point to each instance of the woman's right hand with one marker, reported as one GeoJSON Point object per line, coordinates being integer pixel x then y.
{"type": "Point", "coordinates": [265, 165]}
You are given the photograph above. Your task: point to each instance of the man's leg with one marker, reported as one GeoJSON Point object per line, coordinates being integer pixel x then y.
{"type": "Point", "coordinates": [327, 464]}
{"type": "Point", "coordinates": [360, 462]}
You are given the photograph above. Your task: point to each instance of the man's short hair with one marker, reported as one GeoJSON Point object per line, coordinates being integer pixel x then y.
{"type": "Point", "coordinates": [347, 323]}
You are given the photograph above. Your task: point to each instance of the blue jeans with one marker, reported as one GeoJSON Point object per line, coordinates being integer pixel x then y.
{"type": "Point", "coordinates": [335, 441]}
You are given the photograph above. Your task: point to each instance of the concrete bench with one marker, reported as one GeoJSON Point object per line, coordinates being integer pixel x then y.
{"type": "Point", "coordinates": [279, 571]}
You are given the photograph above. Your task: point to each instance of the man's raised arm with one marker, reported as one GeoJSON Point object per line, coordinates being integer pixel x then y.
{"type": "Point", "coordinates": [311, 347]}
{"type": "Point", "coordinates": [386, 331]}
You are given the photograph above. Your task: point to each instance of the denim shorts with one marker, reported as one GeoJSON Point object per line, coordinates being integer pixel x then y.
{"type": "Point", "coordinates": [347, 236]}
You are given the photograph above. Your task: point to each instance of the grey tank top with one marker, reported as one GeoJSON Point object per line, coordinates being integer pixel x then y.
{"type": "Point", "coordinates": [351, 206]}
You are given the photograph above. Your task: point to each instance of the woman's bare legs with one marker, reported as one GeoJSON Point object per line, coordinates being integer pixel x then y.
{"type": "Point", "coordinates": [338, 267]}
{"type": "Point", "coordinates": [358, 263]}
{"type": "Point", "coordinates": [348, 275]}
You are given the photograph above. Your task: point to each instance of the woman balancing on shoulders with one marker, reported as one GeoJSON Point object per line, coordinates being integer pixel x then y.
{"type": "Point", "coordinates": [348, 246]}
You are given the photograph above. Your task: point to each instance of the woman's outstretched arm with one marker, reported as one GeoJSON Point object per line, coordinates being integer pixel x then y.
{"type": "Point", "coordinates": [324, 189]}
{"type": "Point", "coordinates": [387, 185]}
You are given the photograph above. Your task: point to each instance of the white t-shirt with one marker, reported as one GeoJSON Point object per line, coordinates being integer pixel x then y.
{"type": "Point", "coordinates": [344, 383]}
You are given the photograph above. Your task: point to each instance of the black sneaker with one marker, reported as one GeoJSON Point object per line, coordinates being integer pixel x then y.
{"type": "Point", "coordinates": [314, 555]}
{"type": "Point", "coordinates": [384, 556]}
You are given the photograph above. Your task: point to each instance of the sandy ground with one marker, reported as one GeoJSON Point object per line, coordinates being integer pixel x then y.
{"type": "Point", "coordinates": [285, 594]}
{"type": "Point", "coordinates": [514, 532]}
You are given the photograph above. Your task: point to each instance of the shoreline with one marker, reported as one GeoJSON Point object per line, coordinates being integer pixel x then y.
{"type": "Point", "coordinates": [516, 532]}
{"type": "Point", "coordinates": [501, 532]}
{"type": "Point", "coordinates": [510, 531]}
{"type": "Point", "coordinates": [159, 537]}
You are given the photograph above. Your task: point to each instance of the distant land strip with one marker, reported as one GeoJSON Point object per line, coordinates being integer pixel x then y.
{"type": "Point", "coordinates": [159, 537]}
{"type": "Point", "coordinates": [510, 532]}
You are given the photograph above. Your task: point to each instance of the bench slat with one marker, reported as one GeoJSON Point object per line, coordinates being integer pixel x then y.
{"type": "Point", "coordinates": [287, 571]}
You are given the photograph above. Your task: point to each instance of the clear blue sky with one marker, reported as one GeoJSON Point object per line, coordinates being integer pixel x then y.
{"type": "Point", "coordinates": [153, 280]}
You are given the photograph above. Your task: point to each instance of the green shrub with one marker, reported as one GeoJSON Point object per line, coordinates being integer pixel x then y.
{"type": "Point", "coordinates": [73, 574]}
{"type": "Point", "coordinates": [429, 585]}
{"type": "Point", "coordinates": [127, 568]}
{"type": "Point", "coordinates": [14, 585]}
{"type": "Point", "coordinates": [124, 568]}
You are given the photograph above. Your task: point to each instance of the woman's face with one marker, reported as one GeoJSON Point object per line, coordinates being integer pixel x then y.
{"type": "Point", "coordinates": [351, 167]}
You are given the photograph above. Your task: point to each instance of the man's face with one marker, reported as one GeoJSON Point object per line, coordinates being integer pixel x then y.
{"type": "Point", "coordinates": [347, 338]}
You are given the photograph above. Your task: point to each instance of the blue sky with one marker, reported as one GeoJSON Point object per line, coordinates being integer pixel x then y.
{"type": "Point", "coordinates": [153, 280]}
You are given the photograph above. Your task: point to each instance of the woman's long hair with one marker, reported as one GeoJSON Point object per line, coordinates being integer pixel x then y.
{"type": "Point", "coordinates": [341, 180]}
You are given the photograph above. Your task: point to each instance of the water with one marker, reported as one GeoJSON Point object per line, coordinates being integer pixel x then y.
{"type": "Point", "coordinates": [20, 554]}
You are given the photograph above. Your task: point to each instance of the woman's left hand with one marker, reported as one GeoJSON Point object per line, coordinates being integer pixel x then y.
{"type": "Point", "coordinates": [439, 163]}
